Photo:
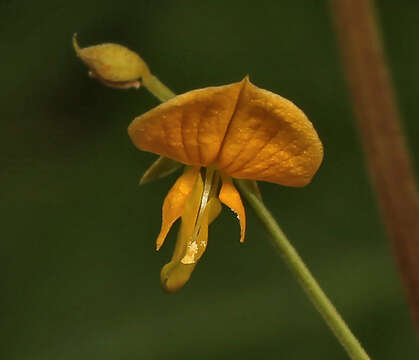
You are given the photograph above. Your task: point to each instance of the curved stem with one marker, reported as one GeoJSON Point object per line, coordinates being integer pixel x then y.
{"type": "Point", "coordinates": [157, 88]}
{"type": "Point", "coordinates": [303, 275]}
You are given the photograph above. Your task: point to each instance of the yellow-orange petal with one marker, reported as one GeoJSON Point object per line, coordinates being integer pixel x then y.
{"type": "Point", "coordinates": [189, 128]}
{"type": "Point", "coordinates": [270, 139]}
{"type": "Point", "coordinates": [245, 131]}
{"type": "Point", "coordinates": [188, 250]}
{"type": "Point", "coordinates": [196, 244]}
{"type": "Point", "coordinates": [214, 209]}
{"type": "Point", "coordinates": [174, 203]}
{"type": "Point", "coordinates": [231, 197]}
{"type": "Point", "coordinates": [174, 275]}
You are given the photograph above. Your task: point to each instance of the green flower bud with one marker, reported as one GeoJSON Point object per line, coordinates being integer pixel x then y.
{"type": "Point", "coordinates": [113, 64]}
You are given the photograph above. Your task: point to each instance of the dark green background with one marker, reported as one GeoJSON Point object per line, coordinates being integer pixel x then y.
{"type": "Point", "coordinates": [80, 276]}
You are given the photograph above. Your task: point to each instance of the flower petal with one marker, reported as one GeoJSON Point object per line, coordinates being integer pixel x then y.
{"type": "Point", "coordinates": [231, 197]}
{"type": "Point", "coordinates": [195, 246]}
{"type": "Point", "coordinates": [175, 275]}
{"type": "Point", "coordinates": [177, 272]}
{"type": "Point", "coordinates": [270, 139]}
{"type": "Point", "coordinates": [174, 203]}
{"type": "Point", "coordinates": [188, 250]}
{"type": "Point", "coordinates": [189, 128]}
{"type": "Point", "coordinates": [214, 209]}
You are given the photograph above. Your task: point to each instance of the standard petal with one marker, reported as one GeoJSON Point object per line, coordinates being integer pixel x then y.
{"type": "Point", "coordinates": [231, 197]}
{"type": "Point", "coordinates": [270, 139]}
{"type": "Point", "coordinates": [189, 128]}
{"type": "Point", "coordinates": [174, 203]}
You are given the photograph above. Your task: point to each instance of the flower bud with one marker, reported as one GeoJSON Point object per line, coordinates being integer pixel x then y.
{"type": "Point", "coordinates": [113, 64]}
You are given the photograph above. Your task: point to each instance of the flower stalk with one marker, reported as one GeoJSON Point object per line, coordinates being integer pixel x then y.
{"type": "Point", "coordinates": [157, 88]}
{"type": "Point", "coordinates": [309, 284]}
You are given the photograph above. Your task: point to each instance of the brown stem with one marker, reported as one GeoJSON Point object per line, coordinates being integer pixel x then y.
{"type": "Point", "coordinates": [382, 136]}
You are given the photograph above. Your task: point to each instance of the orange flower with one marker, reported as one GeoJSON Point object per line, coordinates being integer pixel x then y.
{"type": "Point", "coordinates": [232, 131]}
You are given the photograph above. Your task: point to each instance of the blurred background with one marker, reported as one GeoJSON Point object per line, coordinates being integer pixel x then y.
{"type": "Point", "coordinates": [80, 276]}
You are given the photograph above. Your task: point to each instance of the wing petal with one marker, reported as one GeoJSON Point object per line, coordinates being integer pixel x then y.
{"type": "Point", "coordinates": [231, 197]}
{"type": "Point", "coordinates": [174, 203]}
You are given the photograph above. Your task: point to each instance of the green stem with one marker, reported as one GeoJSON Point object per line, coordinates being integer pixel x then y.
{"type": "Point", "coordinates": [286, 250]}
{"type": "Point", "coordinates": [303, 275]}
{"type": "Point", "coordinates": [157, 88]}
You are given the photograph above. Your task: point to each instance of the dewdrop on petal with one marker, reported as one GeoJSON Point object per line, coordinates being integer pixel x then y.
{"type": "Point", "coordinates": [112, 64]}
